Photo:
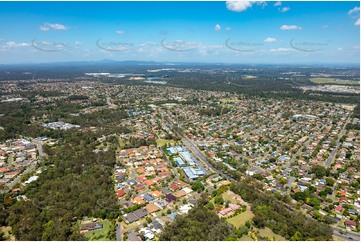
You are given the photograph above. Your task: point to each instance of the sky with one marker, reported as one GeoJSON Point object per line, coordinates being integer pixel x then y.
{"type": "Point", "coordinates": [212, 32]}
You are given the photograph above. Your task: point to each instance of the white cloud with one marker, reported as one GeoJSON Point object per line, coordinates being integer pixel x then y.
{"type": "Point", "coordinates": [270, 40]}
{"type": "Point", "coordinates": [279, 3]}
{"type": "Point", "coordinates": [78, 43]}
{"type": "Point", "coordinates": [120, 32]}
{"type": "Point", "coordinates": [357, 23]}
{"type": "Point", "coordinates": [217, 27]}
{"type": "Point", "coordinates": [284, 9]}
{"type": "Point", "coordinates": [228, 28]}
{"type": "Point", "coordinates": [240, 6]}
{"type": "Point", "coordinates": [47, 27]}
{"type": "Point", "coordinates": [13, 44]}
{"type": "Point", "coordinates": [282, 50]}
{"type": "Point", "coordinates": [290, 27]}
{"type": "Point", "coordinates": [340, 49]}
{"type": "Point", "coordinates": [354, 11]}
{"type": "Point", "coordinates": [149, 44]}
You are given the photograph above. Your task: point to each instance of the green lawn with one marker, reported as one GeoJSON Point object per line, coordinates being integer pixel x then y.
{"type": "Point", "coordinates": [333, 81]}
{"type": "Point", "coordinates": [230, 196]}
{"type": "Point", "coordinates": [241, 219]}
{"type": "Point", "coordinates": [121, 143]}
{"type": "Point", "coordinates": [267, 232]}
{"type": "Point", "coordinates": [100, 234]}
{"type": "Point", "coordinates": [246, 238]}
{"type": "Point", "coordinates": [162, 142]}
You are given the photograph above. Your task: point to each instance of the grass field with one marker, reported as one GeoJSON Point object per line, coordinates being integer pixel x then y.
{"type": "Point", "coordinates": [121, 143]}
{"type": "Point", "coordinates": [229, 195]}
{"type": "Point", "coordinates": [246, 238]}
{"type": "Point", "coordinates": [100, 234]}
{"type": "Point", "coordinates": [333, 81]}
{"type": "Point", "coordinates": [267, 232]}
{"type": "Point", "coordinates": [241, 219]}
{"type": "Point", "coordinates": [162, 142]}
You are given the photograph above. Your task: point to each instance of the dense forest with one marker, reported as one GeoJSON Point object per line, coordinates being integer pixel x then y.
{"type": "Point", "coordinates": [199, 224]}
{"type": "Point", "coordinates": [276, 214]}
{"type": "Point", "coordinates": [19, 119]}
{"type": "Point", "coordinates": [75, 182]}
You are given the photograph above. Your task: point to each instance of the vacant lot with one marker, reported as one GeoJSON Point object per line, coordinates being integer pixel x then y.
{"type": "Point", "coordinates": [234, 198]}
{"type": "Point", "coordinates": [162, 142]}
{"type": "Point", "coordinates": [333, 81]}
{"type": "Point", "coordinates": [241, 219]}
{"type": "Point", "coordinates": [267, 232]}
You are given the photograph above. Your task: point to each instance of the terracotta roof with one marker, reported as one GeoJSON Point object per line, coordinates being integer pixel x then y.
{"type": "Point", "coordinates": [138, 200]}
{"type": "Point", "coordinates": [139, 187]}
{"type": "Point", "coordinates": [140, 170]}
{"type": "Point", "coordinates": [350, 223]}
{"type": "Point", "coordinates": [121, 193]}
{"type": "Point", "coordinates": [173, 187]}
{"type": "Point", "coordinates": [181, 183]}
{"type": "Point", "coordinates": [156, 193]}
{"type": "Point", "coordinates": [180, 193]}
{"type": "Point", "coordinates": [151, 207]}
{"type": "Point", "coordinates": [149, 182]}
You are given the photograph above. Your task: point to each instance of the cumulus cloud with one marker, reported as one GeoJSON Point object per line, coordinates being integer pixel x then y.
{"type": "Point", "coordinates": [240, 6]}
{"type": "Point", "coordinates": [281, 50]}
{"type": "Point", "coordinates": [217, 27]}
{"type": "Point", "coordinates": [357, 23]}
{"type": "Point", "coordinates": [120, 32]}
{"type": "Point", "coordinates": [279, 3]}
{"type": "Point", "coordinates": [47, 27]}
{"type": "Point", "coordinates": [13, 44]}
{"type": "Point", "coordinates": [354, 11]}
{"type": "Point", "coordinates": [290, 27]}
{"type": "Point", "coordinates": [270, 40]}
{"type": "Point", "coordinates": [284, 9]}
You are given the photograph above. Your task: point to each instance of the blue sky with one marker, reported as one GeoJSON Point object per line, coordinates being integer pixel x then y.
{"type": "Point", "coordinates": [227, 32]}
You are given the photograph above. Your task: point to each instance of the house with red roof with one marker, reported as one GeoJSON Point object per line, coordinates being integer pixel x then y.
{"type": "Point", "coordinates": [350, 224]}
{"type": "Point", "coordinates": [120, 193]}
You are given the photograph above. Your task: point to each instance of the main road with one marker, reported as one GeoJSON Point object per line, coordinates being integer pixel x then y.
{"type": "Point", "coordinates": [333, 153]}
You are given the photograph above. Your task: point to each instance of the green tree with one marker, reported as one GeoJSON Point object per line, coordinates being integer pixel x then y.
{"type": "Point", "coordinates": [199, 224]}
{"type": "Point", "coordinates": [218, 200]}
{"type": "Point", "coordinates": [210, 206]}
{"type": "Point", "coordinates": [197, 186]}
{"type": "Point", "coordinates": [297, 237]}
